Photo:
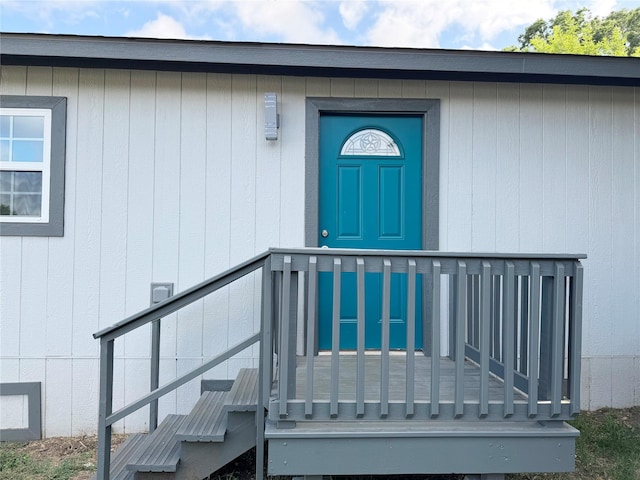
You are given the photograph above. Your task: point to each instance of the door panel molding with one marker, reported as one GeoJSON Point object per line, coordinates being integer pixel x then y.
{"type": "Point", "coordinates": [430, 111]}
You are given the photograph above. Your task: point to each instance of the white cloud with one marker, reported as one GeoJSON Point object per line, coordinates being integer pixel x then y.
{"type": "Point", "coordinates": [46, 12]}
{"type": "Point", "coordinates": [163, 26]}
{"type": "Point", "coordinates": [293, 21]}
{"type": "Point", "coordinates": [411, 23]}
{"type": "Point", "coordinates": [352, 12]}
{"type": "Point", "coordinates": [602, 8]}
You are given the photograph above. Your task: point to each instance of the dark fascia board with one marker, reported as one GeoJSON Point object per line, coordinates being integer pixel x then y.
{"type": "Point", "coordinates": [314, 60]}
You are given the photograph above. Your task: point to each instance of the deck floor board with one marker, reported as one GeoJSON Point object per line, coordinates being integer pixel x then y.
{"type": "Point", "coordinates": [397, 379]}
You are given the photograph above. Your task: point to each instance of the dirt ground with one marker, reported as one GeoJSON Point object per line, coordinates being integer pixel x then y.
{"type": "Point", "coordinates": [58, 449]}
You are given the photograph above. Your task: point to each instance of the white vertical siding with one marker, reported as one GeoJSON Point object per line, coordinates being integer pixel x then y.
{"type": "Point", "coordinates": [483, 170]}
{"type": "Point", "coordinates": [13, 82]}
{"type": "Point", "coordinates": [292, 171]}
{"type": "Point", "coordinates": [458, 230]}
{"type": "Point", "coordinates": [531, 161]}
{"type": "Point", "coordinates": [169, 179]}
{"type": "Point", "coordinates": [507, 167]}
{"type": "Point", "coordinates": [218, 217]}
{"type": "Point", "coordinates": [60, 284]}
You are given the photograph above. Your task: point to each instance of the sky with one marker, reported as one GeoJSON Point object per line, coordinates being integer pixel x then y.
{"type": "Point", "coordinates": [450, 24]}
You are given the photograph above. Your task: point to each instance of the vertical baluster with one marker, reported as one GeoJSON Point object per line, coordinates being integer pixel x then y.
{"type": "Point", "coordinates": [525, 297]}
{"type": "Point", "coordinates": [546, 337]}
{"type": "Point", "coordinates": [105, 408]}
{"type": "Point", "coordinates": [335, 338]}
{"type": "Point", "coordinates": [534, 339]}
{"type": "Point", "coordinates": [411, 338]}
{"type": "Point", "coordinates": [461, 316]}
{"type": "Point", "coordinates": [485, 337]}
{"type": "Point", "coordinates": [516, 323]}
{"type": "Point", "coordinates": [453, 314]}
{"type": "Point", "coordinates": [312, 295]}
{"type": "Point", "coordinates": [155, 373]}
{"type": "Point", "coordinates": [285, 312]}
{"type": "Point", "coordinates": [508, 328]}
{"type": "Point", "coordinates": [471, 312]}
{"type": "Point", "coordinates": [575, 337]}
{"type": "Point", "coordinates": [496, 350]}
{"type": "Point", "coordinates": [435, 340]}
{"type": "Point", "coordinates": [360, 379]}
{"type": "Point", "coordinates": [386, 322]}
{"type": "Point", "coordinates": [557, 350]}
{"type": "Point", "coordinates": [476, 311]}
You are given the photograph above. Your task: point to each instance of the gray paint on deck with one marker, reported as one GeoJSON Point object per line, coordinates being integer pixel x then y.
{"type": "Point", "coordinates": [391, 448]}
{"type": "Point", "coordinates": [347, 379]}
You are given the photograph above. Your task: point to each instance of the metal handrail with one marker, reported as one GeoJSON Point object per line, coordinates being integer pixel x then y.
{"type": "Point", "coordinates": [182, 299]}
{"type": "Point", "coordinates": [107, 336]}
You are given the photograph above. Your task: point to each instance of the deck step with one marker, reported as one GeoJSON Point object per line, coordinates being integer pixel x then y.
{"type": "Point", "coordinates": [243, 396]}
{"type": "Point", "coordinates": [161, 450]}
{"type": "Point", "coordinates": [127, 451]}
{"type": "Point", "coordinates": [207, 421]}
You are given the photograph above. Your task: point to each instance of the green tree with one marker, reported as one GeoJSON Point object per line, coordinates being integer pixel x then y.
{"type": "Point", "coordinates": [580, 33]}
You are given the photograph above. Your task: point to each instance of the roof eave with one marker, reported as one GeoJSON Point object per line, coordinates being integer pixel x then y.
{"type": "Point", "coordinates": [313, 60]}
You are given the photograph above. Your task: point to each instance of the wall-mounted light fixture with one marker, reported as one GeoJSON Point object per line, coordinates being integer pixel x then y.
{"type": "Point", "coordinates": [271, 116]}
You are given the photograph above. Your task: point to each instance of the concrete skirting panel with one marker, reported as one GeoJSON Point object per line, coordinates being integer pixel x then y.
{"type": "Point", "coordinates": [491, 449]}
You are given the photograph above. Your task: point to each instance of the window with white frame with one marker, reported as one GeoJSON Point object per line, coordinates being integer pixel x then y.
{"type": "Point", "coordinates": [32, 150]}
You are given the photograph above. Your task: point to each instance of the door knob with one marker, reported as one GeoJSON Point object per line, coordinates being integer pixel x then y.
{"type": "Point", "coordinates": [324, 234]}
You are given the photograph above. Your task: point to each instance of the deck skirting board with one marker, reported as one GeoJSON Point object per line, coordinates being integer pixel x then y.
{"type": "Point", "coordinates": [381, 448]}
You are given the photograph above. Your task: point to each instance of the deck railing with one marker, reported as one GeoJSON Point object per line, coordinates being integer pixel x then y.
{"type": "Point", "coordinates": [516, 318]}
{"type": "Point", "coordinates": [107, 417]}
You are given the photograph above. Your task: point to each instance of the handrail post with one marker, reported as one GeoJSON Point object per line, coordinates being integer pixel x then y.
{"type": "Point", "coordinates": [575, 337]}
{"type": "Point", "coordinates": [104, 408]}
{"type": "Point", "coordinates": [264, 366]}
{"type": "Point", "coordinates": [155, 373]}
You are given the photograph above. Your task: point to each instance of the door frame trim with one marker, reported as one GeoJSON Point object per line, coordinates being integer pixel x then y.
{"type": "Point", "coordinates": [429, 109]}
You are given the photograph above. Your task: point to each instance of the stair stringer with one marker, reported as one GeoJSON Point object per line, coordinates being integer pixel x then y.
{"type": "Point", "coordinates": [220, 428]}
{"type": "Point", "coordinates": [204, 452]}
{"type": "Point", "coordinates": [200, 459]}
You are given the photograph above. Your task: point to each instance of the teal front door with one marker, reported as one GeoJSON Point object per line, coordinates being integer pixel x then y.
{"type": "Point", "coordinates": [370, 198]}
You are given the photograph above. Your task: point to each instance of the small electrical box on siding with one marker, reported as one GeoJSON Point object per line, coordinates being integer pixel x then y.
{"type": "Point", "coordinates": [271, 117]}
{"type": "Point", "coordinates": [160, 292]}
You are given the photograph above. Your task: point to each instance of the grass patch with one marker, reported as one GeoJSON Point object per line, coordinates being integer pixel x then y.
{"type": "Point", "coordinates": [17, 463]}
{"type": "Point", "coordinates": [608, 449]}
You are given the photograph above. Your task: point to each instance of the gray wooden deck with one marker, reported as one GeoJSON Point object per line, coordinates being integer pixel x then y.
{"type": "Point", "coordinates": [397, 379]}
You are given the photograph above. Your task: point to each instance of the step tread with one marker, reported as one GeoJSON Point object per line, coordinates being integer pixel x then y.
{"type": "Point", "coordinates": [243, 396]}
{"type": "Point", "coordinates": [207, 420]}
{"type": "Point", "coordinates": [161, 450]}
{"type": "Point", "coordinates": [121, 457]}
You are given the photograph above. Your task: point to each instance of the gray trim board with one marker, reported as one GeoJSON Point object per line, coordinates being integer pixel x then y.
{"type": "Point", "coordinates": [430, 111]}
{"type": "Point", "coordinates": [58, 107]}
{"type": "Point", "coordinates": [34, 429]}
{"type": "Point", "coordinates": [378, 448]}
{"type": "Point", "coordinates": [315, 60]}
